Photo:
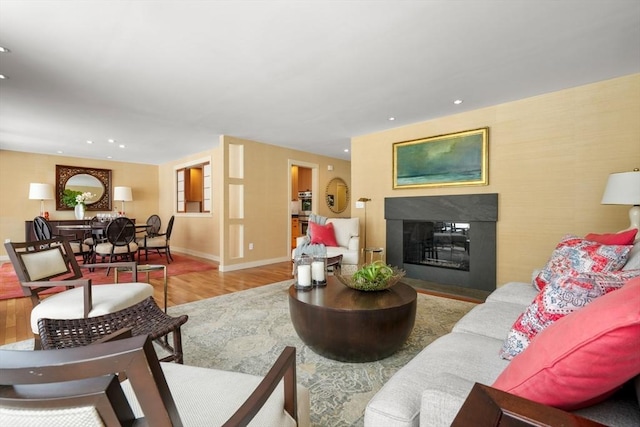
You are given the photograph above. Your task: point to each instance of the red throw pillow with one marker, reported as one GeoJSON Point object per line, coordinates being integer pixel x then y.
{"type": "Point", "coordinates": [582, 358]}
{"type": "Point", "coordinates": [622, 238]}
{"type": "Point", "coordinates": [322, 234]}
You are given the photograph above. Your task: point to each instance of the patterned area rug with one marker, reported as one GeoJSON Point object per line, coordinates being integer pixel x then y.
{"type": "Point", "coordinates": [246, 331]}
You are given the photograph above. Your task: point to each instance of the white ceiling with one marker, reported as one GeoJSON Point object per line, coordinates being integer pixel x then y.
{"type": "Point", "coordinates": [166, 78]}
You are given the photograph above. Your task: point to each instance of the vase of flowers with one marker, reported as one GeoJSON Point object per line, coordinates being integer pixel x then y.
{"type": "Point", "coordinates": [77, 200]}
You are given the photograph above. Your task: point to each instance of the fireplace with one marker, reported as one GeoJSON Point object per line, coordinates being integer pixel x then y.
{"type": "Point", "coordinates": [449, 240]}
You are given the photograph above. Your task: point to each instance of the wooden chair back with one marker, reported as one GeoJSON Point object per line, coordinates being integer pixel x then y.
{"type": "Point", "coordinates": [87, 377]}
{"type": "Point", "coordinates": [67, 378]}
{"type": "Point", "coordinates": [49, 260]}
{"type": "Point", "coordinates": [121, 232]}
{"type": "Point", "coordinates": [153, 225]}
{"type": "Point", "coordinates": [170, 228]}
{"type": "Point", "coordinates": [42, 228]}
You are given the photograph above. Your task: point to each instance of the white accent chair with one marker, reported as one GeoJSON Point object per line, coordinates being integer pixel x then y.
{"type": "Point", "coordinates": [347, 231]}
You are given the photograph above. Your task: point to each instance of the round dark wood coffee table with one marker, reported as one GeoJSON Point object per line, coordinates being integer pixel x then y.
{"type": "Point", "coordinates": [353, 326]}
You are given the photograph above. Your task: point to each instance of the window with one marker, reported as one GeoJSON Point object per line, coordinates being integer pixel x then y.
{"type": "Point", "coordinates": [193, 188]}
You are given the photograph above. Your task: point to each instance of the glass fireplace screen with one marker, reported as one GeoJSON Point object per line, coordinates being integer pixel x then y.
{"type": "Point", "coordinates": [443, 244]}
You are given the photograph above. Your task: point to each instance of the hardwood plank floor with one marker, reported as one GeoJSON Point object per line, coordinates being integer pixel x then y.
{"type": "Point", "coordinates": [15, 313]}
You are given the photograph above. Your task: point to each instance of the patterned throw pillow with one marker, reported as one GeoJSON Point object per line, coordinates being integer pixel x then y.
{"type": "Point", "coordinates": [562, 296]}
{"type": "Point", "coordinates": [574, 255]}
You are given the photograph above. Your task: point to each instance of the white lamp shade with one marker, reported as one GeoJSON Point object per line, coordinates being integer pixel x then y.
{"type": "Point", "coordinates": [622, 189]}
{"type": "Point", "coordinates": [122, 194]}
{"type": "Point", "coordinates": [39, 191]}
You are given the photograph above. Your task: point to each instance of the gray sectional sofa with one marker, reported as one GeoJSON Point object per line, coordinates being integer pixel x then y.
{"type": "Point", "coordinates": [430, 389]}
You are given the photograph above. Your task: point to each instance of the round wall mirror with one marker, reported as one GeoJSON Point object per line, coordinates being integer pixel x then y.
{"type": "Point", "coordinates": [337, 195]}
{"type": "Point", "coordinates": [83, 183]}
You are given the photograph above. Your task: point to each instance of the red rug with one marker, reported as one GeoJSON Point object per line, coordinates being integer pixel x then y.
{"type": "Point", "coordinates": [10, 287]}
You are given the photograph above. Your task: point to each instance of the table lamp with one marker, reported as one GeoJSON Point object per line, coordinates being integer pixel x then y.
{"type": "Point", "coordinates": [624, 189]}
{"type": "Point", "coordinates": [122, 194]}
{"type": "Point", "coordinates": [40, 192]}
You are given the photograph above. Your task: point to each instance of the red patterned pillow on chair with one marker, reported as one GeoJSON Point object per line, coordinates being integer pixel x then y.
{"type": "Point", "coordinates": [322, 234]}
{"type": "Point", "coordinates": [574, 255]}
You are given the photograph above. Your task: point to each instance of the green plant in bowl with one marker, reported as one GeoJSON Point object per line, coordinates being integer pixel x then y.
{"type": "Point", "coordinates": [376, 276]}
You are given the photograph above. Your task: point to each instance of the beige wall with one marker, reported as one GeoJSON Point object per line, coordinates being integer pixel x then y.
{"type": "Point", "coordinates": [549, 159]}
{"type": "Point", "coordinates": [267, 191]}
{"type": "Point", "coordinates": [18, 169]}
{"type": "Point", "coordinates": [267, 181]}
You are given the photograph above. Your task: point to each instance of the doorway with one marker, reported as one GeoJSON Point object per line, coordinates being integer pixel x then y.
{"type": "Point", "coordinates": [303, 197]}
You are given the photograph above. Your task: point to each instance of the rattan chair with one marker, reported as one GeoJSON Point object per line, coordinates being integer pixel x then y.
{"type": "Point", "coordinates": [79, 386]}
{"type": "Point", "coordinates": [144, 318]}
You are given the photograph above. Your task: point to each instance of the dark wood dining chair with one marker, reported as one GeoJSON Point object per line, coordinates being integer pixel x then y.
{"type": "Point", "coordinates": [120, 244]}
{"type": "Point", "coordinates": [161, 243]}
{"type": "Point", "coordinates": [43, 231]}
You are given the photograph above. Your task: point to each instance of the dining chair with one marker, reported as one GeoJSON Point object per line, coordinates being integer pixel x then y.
{"type": "Point", "coordinates": [80, 386]}
{"type": "Point", "coordinates": [43, 231]}
{"type": "Point", "coordinates": [160, 243]}
{"type": "Point", "coordinates": [120, 244]}
{"type": "Point", "coordinates": [51, 264]}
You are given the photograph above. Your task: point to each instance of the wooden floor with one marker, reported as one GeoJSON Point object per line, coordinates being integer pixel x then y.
{"type": "Point", "coordinates": [15, 313]}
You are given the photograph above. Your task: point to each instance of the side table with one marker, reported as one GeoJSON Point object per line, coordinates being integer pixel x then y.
{"type": "Point", "coordinates": [148, 268]}
{"type": "Point", "coordinates": [371, 252]}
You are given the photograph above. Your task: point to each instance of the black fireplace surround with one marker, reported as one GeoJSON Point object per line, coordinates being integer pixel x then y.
{"type": "Point", "coordinates": [480, 211]}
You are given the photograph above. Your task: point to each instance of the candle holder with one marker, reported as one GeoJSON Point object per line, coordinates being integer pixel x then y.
{"type": "Point", "coordinates": [302, 273]}
{"type": "Point", "coordinates": [319, 271]}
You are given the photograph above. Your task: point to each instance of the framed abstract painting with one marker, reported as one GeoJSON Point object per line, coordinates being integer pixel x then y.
{"type": "Point", "coordinates": [455, 159]}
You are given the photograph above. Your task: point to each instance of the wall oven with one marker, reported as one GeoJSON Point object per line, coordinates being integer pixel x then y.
{"type": "Point", "coordinates": [306, 199]}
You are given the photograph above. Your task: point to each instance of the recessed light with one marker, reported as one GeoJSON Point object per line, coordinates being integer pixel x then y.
{"type": "Point", "coordinates": [111, 141]}
{"type": "Point", "coordinates": [121, 145]}
{"type": "Point", "coordinates": [59, 151]}
{"type": "Point", "coordinates": [346, 150]}
{"type": "Point", "coordinates": [109, 157]}
{"type": "Point", "coordinates": [3, 77]}
{"type": "Point", "coordinates": [391, 119]}
{"type": "Point", "coordinates": [89, 141]}
{"type": "Point", "coordinates": [4, 49]}
{"type": "Point", "coordinates": [458, 101]}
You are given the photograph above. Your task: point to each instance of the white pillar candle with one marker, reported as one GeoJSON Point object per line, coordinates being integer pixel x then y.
{"type": "Point", "coordinates": [317, 271]}
{"type": "Point", "coordinates": [304, 275]}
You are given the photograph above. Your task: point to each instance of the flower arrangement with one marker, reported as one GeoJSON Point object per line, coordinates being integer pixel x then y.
{"type": "Point", "coordinates": [72, 198]}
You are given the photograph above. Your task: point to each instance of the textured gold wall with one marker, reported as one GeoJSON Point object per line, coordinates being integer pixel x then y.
{"type": "Point", "coordinates": [549, 159]}
{"type": "Point", "coordinates": [18, 169]}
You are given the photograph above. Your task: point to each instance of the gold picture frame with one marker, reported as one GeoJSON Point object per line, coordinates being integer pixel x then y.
{"type": "Point", "coordinates": [455, 159]}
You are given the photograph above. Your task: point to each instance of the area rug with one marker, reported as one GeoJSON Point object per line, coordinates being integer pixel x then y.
{"type": "Point", "coordinates": [10, 288]}
{"type": "Point", "coordinates": [246, 331]}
